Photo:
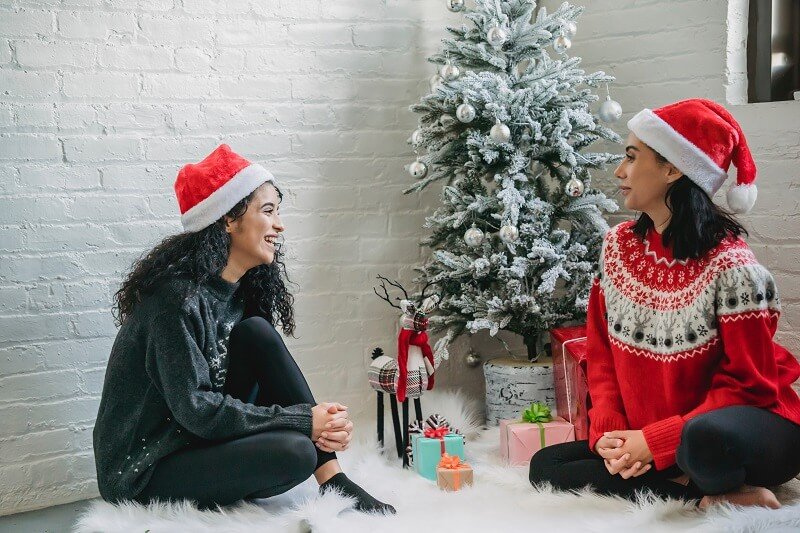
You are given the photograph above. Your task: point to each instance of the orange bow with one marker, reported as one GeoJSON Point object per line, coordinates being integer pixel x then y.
{"type": "Point", "coordinates": [452, 462]}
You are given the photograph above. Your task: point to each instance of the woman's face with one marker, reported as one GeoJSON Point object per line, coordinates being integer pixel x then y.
{"type": "Point", "coordinates": [253, 235]}
{"type": "Point", "coordinates": [644, 180]}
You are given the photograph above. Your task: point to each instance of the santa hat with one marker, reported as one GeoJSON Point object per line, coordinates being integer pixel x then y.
{"type": "Point", "coordinates": [209, 189]}
{"type": "Point", "coordinates": [701, 139]}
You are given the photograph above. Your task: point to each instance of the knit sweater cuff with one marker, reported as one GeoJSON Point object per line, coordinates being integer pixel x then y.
{"type": "Point", "coordinates": [611, 421]}
{"type": "Point", "coordinates": [663, 438]}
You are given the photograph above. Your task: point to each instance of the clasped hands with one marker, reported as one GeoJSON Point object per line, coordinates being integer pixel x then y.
{"type": "Point", "coordinates": [331, 428]}
{"type": "Point", "coordinates": [625, 453]}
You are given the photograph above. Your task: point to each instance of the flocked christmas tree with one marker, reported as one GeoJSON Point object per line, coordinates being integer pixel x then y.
{"type": "Point", "coordinates": [506, 129]}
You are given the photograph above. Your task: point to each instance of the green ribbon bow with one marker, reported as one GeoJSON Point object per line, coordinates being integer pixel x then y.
{"type": "Point", "coordinates": [536, 414]}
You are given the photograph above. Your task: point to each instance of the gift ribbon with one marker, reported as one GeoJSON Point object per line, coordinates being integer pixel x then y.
{"type": "Point", "coordinates": [453, 462]}
{"type": "Point", "coordinates": [566, 380]}
{"type": "Point", "coordinates": [536, 414]}
{"type": "Point", "coordinates": [437, 433]}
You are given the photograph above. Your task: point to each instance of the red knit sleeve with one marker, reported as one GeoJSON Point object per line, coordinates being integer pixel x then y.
{"type": "Point", "coordinates": [748, 372]}
{"type": "Point", "coordinates": [607, 412]}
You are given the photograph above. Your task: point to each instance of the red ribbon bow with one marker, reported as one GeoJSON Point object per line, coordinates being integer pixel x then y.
{"type": "Point", "coordinates": [437, 433]}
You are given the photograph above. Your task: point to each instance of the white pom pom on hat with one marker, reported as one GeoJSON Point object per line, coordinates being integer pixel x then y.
{"type": "Point", "coordinates": [701, 139]}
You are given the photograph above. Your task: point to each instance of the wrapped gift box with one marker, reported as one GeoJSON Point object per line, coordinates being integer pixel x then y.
{"type": "Point", "coordinates": [569, 372]}
{"type": "Point", "coordinates": [520, 440]}
{"type": "Point", "coordinates": [453, 474]}
{"type": "Point", "coordinates": [428, 452]}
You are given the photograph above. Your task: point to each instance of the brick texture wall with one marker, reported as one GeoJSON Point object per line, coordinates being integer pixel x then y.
{"type": "Point", "coordinates": [102, 101]}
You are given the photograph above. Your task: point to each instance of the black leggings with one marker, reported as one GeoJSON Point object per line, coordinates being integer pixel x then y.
{"type": "Point", "coordinates": [720, 451]}
{"type": "Point", "coordinates": [261, 371]}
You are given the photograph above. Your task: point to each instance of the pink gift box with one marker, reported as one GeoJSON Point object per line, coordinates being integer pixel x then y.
{"type": "Point", "coordinates": [520, 440]}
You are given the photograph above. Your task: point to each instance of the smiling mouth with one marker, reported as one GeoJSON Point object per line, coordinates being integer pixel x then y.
{"type": "Point", "coordinates": [270, 241]}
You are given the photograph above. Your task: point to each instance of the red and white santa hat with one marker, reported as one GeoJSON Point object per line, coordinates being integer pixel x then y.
{"type": "Point", "coordinates": [701, 139]}
{"type": "Point", "coordinates": [209, 189]}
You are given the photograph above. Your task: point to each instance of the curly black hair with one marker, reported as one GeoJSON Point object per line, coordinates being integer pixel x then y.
{"type": "Point", "coordinates": [201, 255]}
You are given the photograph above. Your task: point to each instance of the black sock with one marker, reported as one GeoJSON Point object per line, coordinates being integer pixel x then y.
{"type": "Point", "coordinates": [364, 502]}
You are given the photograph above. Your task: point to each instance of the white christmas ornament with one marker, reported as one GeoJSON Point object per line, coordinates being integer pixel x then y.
{"type": "Point", "coordinates": [574, 187]}
{"type": "Point", "coordinates": [416, 137]}
{"type": "Point", "coordinates": [465, 113]}
{"type": "Point", "coordinates": [500, 132]}
{"type": "Point", "coordinates": [570, 28]}
{"type": "Point", "coordinates": [496, 36]}
{"type": "Point", "coordinates": [610, 110]}
{"type": "Point", "coordinates": [455, 5]}
{"type": "Point", "coordinates": [562, 44]}
{"type": "Point", "coordinates": [418, 169]}
{"type": "Point", "coordinates": [473, 236]}
{"type": "Point", "coordinates": [449, 72]}
{"type": "Point", "coordinates": [509, 233]}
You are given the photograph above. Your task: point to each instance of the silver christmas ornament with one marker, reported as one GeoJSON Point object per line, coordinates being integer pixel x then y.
{"type": "Point", "coordinates": [473, 360]}
{"type": "Point", "coordinates": [449, 72]}
{"type": "Point", "coordinates": [574, 187]}
{"type": "Point", "coordinates": [570, 28]}
{"type": "Point", "coordinates": [465, 113]}
{"type": "Point", "coordinates": [509, 233]}
{"type": "Point", "coordinates": [473, 236]}
{"type": "Point", "coordinates": [610, 110]}
{"type": "Point", "coordinates": [496, 36]}
{"type": "Point", "coordinates": [418, 169]}
{"type": "Point", "coordinates": [455, 5]}
{"type": "Point", "coordinates": [562, 44]}
{"type": "Point", "coordinates": [416, 137]}
{"type": "Point", "coordinates": [500, 132]}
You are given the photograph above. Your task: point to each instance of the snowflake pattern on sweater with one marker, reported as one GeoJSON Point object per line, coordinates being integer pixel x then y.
{"type": "Point", "coordinates": [671, 339]}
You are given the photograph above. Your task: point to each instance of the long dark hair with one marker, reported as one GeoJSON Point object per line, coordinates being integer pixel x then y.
{"type": "Point", "coordinates": [697, 224]}
{"type": "Point", "coordinates": [201, 255]}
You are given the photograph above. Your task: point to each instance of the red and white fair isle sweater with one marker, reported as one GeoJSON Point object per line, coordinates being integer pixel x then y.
{"type": "Point", "coordinates": [669, 340]}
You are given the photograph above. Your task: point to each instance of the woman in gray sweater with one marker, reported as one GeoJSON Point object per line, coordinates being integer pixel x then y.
{"type": "Point", "coordinates": [202, 400]}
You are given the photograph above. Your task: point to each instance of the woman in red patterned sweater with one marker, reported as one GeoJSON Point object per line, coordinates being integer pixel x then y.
{"type": "Point", "coordinates": [691, 396]}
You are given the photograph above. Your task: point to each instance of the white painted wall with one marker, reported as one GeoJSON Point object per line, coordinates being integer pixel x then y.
{"type": "Point", "coordinates": [101, 102]}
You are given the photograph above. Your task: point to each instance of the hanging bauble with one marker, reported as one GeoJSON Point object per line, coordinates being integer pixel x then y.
{"type": "Point", "coordinates": [570, 28]}
{"type": "Point", "coordinates": [473, 236]}
{"type": "Point", "coordinates": [610, 110]}
{"type": "Point", "coordinates": [496, 36]}
{"type": "Point", "coordinates": [574, 187]}
{"type": "Point", "coordinates": [509, 233]}
{"type": "Point", "coordinates": [500, 132]}
{"type": "Point", "coordinates": [473, 360]}
{"type": "Point", "coordinates": [562, 44]}
{"type": "Point", "coordinates": [455, 5]}
{"type": "Point", "coordinates": [418, 169]}
{"type": "Point", "coordinates": [449, 72]}
{"type": "Point", "coordinates": [435, 82]}
{"type": "Point", "coordinates": [416, 137]}
{"type": "Point", "coordinates": [465, 113]}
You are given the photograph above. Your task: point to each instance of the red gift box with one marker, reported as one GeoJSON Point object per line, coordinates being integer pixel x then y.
{"type": "Point", "coordinates": [568, 346]}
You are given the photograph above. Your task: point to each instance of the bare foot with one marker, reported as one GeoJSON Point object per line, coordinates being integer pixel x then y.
{"type": "Point", "coordinates": [746, 495]}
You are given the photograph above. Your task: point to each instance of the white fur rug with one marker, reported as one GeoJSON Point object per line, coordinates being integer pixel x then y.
{"type": "Point", "coordinates": [501, 500]}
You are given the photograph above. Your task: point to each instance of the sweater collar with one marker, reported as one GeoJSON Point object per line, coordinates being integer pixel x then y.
{"type": "Point", "coordinates": [221, 288]}
{"type": "Point", "coordinates": [654, 247]}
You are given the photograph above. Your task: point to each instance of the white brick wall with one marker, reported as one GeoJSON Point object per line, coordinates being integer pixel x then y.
{"type": "Point", "coordinates": [101, 102]}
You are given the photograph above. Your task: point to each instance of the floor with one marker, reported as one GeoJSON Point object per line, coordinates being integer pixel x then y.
{"type": "Point", "coordinates": [56, 519]}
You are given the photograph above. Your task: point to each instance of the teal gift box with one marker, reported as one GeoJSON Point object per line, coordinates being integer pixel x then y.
{"type": "Point", "coordinates": [428, 452]}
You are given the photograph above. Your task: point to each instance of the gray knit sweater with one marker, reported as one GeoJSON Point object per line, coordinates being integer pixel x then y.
{"type": "Point", "coordinates": [164, 382]}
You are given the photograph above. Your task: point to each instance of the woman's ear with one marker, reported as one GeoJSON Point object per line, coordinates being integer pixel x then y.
{"type": "Point", "coordinates": [673, 174]}
{"type": "Point", "coordinates": [228, 223]}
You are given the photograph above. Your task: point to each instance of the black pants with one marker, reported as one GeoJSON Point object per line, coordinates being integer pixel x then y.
{"type": "Point", "coordinates": [261, 371]}
{"type": "Point", "coordinates": [720, 451]}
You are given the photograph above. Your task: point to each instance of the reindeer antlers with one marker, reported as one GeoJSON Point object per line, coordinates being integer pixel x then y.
{"type": "Point", "coordinates": [386, 292]}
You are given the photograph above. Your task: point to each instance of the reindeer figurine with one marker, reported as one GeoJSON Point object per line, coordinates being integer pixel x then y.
{"type": "Point", "coordinates": [411, 373]}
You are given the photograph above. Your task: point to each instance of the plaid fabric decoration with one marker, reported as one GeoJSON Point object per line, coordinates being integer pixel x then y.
{"type": "Point", "coordinates": [417, 323]}
{"type": "Point", "coordinates": [382, 374]}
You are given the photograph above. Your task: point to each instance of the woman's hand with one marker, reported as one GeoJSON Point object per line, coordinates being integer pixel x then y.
{"type": "Point", "coordinates": [634, 445]}
{"type": "Point", "coordinates": [331, 427]}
